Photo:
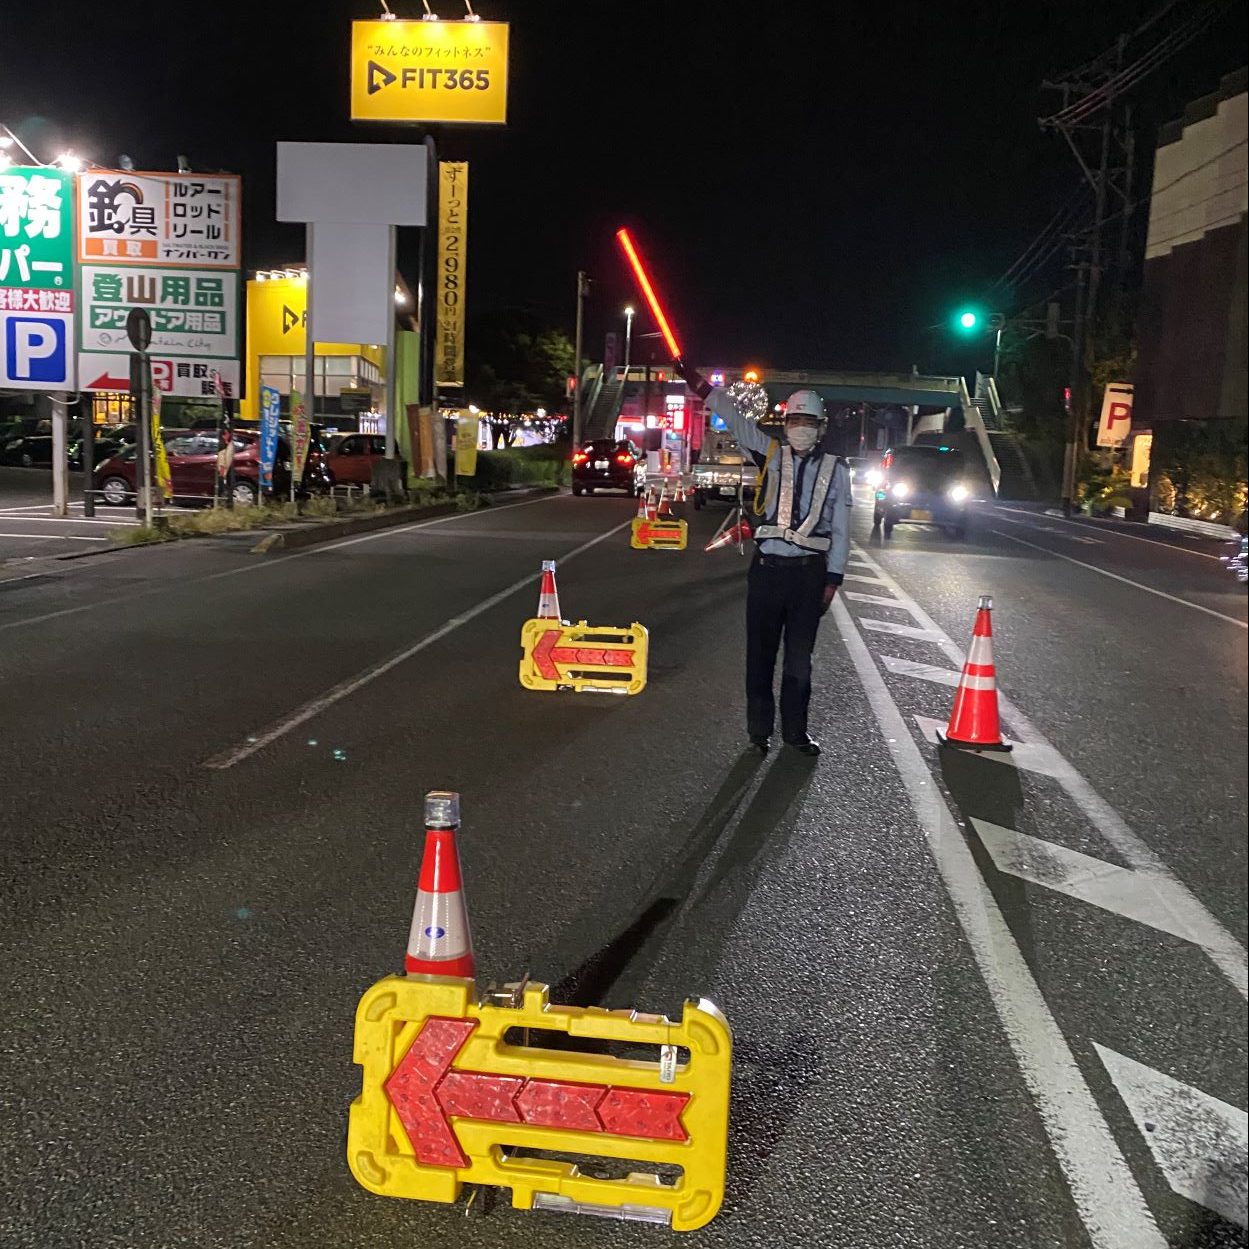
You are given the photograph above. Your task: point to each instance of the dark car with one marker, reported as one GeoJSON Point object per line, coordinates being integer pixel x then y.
{"type": "Point", "coordinates": [193, 467]}
{"type": "Point", "coordinates": [109, 440]}
{"type": "Point", "coordinates": [608, 464]}
{"type": "Point", "coordinates": [923, 485]}
{"type": "Point", "coordinates": [28, 445]}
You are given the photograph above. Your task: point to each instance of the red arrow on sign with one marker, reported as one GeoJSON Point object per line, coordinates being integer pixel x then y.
{"type": "Point", "coordinates": [425, 1090]}
{"type": "Point", "coordinates": [546, 654]}
{"type": "Point", "coordinates": [648, 533]}
{"type": "Point", "coordinates": [104, 382]}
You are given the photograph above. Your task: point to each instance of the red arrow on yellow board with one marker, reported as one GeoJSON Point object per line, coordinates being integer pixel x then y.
{"type": "Point", "coordinates": [426, 1091]}
{"type": "Point", "coordinates": [547, 654]}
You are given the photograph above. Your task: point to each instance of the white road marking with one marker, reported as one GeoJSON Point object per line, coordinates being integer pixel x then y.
{"type": "Point", "coordinates": [69, 520]}
{"type": "Point", "coordinates": [1201, 1144]}
{"type": "Point", "coordinates": [854, 576]}
{"type": "Point", "coordinates": [899, 630]}
{"type": "Point", "coordinates": [53, 537]}
{"type": "Point", "coordinates": [1102, 1186]}
{"type": "Point", "coordinates": [922, 672]}
{"type": "Point", "coordinates": [259, 564]}
{"type": "Point", "coordinates": [1118, 533]}
{"type": "Point", "coordinates": [1114, 576]}
{"type": "Point", "coordinates": [263, 737]}
{"type": "Point", "coordinates": [1227, 954]}
{"type": "Point", "coordinates": [1117, 889]}
{"type": "Point", "coordinates": [858, 596]}
{"type": "Point", "coordinates": [1024, 755]}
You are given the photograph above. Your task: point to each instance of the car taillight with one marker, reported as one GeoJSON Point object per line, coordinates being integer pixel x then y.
{"type": "Point", "coordinates": [624, 459]}
{"type": "Point", "coordinates": [579, 457]}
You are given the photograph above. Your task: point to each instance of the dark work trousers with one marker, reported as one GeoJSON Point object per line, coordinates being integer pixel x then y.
{"type": "Point", "coordinates": [784, 597]}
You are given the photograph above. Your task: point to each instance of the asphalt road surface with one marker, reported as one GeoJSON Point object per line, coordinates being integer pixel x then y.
{"type": "Point", "coordinates": [29, 530]}
{"type": "Point", "coordinates": [975, 1003]}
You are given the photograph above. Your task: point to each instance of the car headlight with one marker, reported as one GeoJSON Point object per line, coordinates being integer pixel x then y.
{"type": "Point", "coordinates": [872, 477]}
{"type": "Point", "coordinates": [901, 489]}
{"type": "Point", "coordinates": [959, 493]}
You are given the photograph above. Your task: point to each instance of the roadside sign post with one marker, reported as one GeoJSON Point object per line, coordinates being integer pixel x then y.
{"type": "Point", "coordinates": [139, 332]}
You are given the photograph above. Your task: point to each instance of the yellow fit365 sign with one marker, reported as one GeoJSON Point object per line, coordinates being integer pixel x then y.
{"type": "Point", "coordinates": [429, 71]}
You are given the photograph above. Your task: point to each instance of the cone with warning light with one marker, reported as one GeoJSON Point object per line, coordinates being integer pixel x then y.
{"type": "Point", "coordinates": [974, 722]}
{"type": "Point", "coordinates": [439, 941]}
{"type": "Point", "coordinates": [548, 595]}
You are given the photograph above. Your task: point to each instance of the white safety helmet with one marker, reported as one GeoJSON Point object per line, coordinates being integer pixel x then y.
{"type": "Point", "coordinates": [805, 403]}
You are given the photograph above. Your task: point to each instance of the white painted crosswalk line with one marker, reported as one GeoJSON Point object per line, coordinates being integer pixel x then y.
{"type": "Point", "coordinates": [1201, 1144]}
{"type": "Point", "coordinates": [899, 630]}
{"type": "Point", "coordinates": [1119, 890]}
{"type": "Point", "coordinates": [854, 576]}
{"type": "Point", "coordinates": [857, 596]}
{"type": "Point", "coordinates": [1024, 755]}
{"type": "Point", "coordinates": [922, 672]}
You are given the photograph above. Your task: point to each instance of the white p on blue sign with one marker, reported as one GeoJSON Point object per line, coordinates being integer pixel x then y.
{"type": "Point", "coordinates": [36, 350]}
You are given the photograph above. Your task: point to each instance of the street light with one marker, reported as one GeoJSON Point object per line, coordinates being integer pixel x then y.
{"type": "Point", "coordinates": [628, 337]}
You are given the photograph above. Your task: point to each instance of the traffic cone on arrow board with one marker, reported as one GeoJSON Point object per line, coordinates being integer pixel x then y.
{"type": "Point", "coordinates": [548, 595]}
{"type": "Point", "coordinates": [974, 723]}
{"type": "Point", "coordinates": [439, 942]}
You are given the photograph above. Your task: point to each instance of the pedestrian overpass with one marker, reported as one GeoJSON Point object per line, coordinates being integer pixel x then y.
{"type": "Point", "coordinates": [604, 396]}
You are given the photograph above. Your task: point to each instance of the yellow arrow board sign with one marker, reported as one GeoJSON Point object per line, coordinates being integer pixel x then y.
{"type": "Point", "coordinates": [448, 1098]}
{"type": "Point", "coordinates": [589, 659]}
{"type": "Point", "coordinates": [658, 535]}
{"type": "Point", "coordinates": [429, 72]}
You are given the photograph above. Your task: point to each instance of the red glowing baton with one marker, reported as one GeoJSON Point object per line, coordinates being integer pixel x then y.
{"type": "Point", "coordinates": [697, 383]}
{"type": "Point", "coordinates": [649, 291]}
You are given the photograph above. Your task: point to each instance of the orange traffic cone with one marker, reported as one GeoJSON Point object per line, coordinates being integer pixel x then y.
{"type": "Point", "coordinates": [652, 507]}
{"type": "Point", "coordinates": [680, 494]}
{"type": "Point", "coordinates": [732, 535]}
{"type": "Point", "coordinates": [642, 504]}
{"type": "Point", "coordinates": [664, 507]}
{"type": "Point", "coordinates": [974, 723]}
{"type": "Point", "coordinates": [439, 942]}
{"type": "Point", "coordinates": [548, 596]}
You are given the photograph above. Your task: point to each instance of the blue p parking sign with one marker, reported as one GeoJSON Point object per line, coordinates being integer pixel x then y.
{"type": "Point", "coordinates": [37, 353]}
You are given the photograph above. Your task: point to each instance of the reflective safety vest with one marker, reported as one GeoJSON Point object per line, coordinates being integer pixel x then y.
{"type": "Point", "coordinates": [783, 505]}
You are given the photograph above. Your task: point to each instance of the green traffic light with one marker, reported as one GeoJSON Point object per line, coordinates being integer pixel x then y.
{"type": "Point", "coordinates": [968, 320]}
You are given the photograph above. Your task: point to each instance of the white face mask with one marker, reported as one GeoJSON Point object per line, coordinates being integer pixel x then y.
{"type": "Point", "coordinates": [802, 437]}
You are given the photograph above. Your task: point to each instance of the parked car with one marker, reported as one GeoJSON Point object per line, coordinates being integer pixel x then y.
{"type": "Point", "coordinates": [193, 468]}
{"type": "Point", "coordinates": [350, 458]}
{"type": "Point", "coordinates": [28, 445]}
{"type": "Point", "coordinates": [923, 485]}
{"type": "Point", "coordinates": [109, 440]}
{"type": "Point", "coordinates": [608, 464]}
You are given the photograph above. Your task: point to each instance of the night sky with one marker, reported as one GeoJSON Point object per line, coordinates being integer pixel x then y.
{"type": "Point", "coordinates": [814, 183]}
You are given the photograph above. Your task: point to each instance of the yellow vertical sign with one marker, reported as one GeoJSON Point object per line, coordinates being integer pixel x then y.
{"type": "Point", "coordinates": [452, 247]}
{"type": "Point", "coordinates": [466, 433]}
{"type": "Point", "coordinates": [164, 478]}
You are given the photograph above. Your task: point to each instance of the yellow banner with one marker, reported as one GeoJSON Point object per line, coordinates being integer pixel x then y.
{"type": "Point", "coordinates": [164, 478]}
{"type": "Point", "coordinates": [429, 71]}
{"type": "Point", "coordinates": [466, 430]}
{"type": "Point", "coordinates": [452, 248]}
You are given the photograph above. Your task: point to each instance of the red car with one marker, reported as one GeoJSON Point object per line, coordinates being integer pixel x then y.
{"type": "Point", "coordinates": [193, 466]}
{"type": "Point", "coordinates": [351, 457]}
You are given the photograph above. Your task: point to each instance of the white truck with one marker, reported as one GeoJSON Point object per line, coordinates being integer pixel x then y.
{"type": "Point", "coordinates": [720, 469]}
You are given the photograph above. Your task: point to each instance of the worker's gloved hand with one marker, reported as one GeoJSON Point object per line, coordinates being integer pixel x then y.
{"type": "Point", "coordinates": [693, 378]}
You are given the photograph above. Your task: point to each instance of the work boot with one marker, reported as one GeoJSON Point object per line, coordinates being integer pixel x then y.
{"type": "Point", "coordinates": [805, 745]}
{"type": "Point", "coordinates": [759, 745]}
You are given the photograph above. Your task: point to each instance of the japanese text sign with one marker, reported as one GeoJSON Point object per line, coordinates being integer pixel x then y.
{"type": "Point", "coordinates": [194, 312]}
{"type": "Point", "coordinates": [449, 307]}
{"type": "Point", "coordinates": [36, 240]}
{"type": "Point", "coordinates": [1116, 420]}
{"type": "Point", "coordinates": [445, 1092]}
{"type": "Point", "coordinates": [429, 71]}
{"type": "Point", "coordinates": [159, 219]}
{"type": "Point", "coordinates": [179, 376]}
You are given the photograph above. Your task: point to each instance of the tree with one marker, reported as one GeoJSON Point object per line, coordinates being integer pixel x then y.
{"type": "Point", "coordinates": [516, 364]}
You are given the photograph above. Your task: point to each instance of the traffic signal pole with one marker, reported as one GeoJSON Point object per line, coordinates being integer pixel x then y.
{"type": "Point", "coordinates": [583, 285]}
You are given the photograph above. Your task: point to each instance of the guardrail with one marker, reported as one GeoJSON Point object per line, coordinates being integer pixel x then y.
{"type": "Point", "coordinates": [1207, 528]}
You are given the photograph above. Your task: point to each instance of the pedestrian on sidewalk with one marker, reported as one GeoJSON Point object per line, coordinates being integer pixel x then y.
{"type": "Point", "coordinates": [800, 556]}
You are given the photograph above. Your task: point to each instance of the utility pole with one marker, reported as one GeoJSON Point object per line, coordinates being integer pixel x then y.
{"type": "Point", "coordinates": [583, 289]}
